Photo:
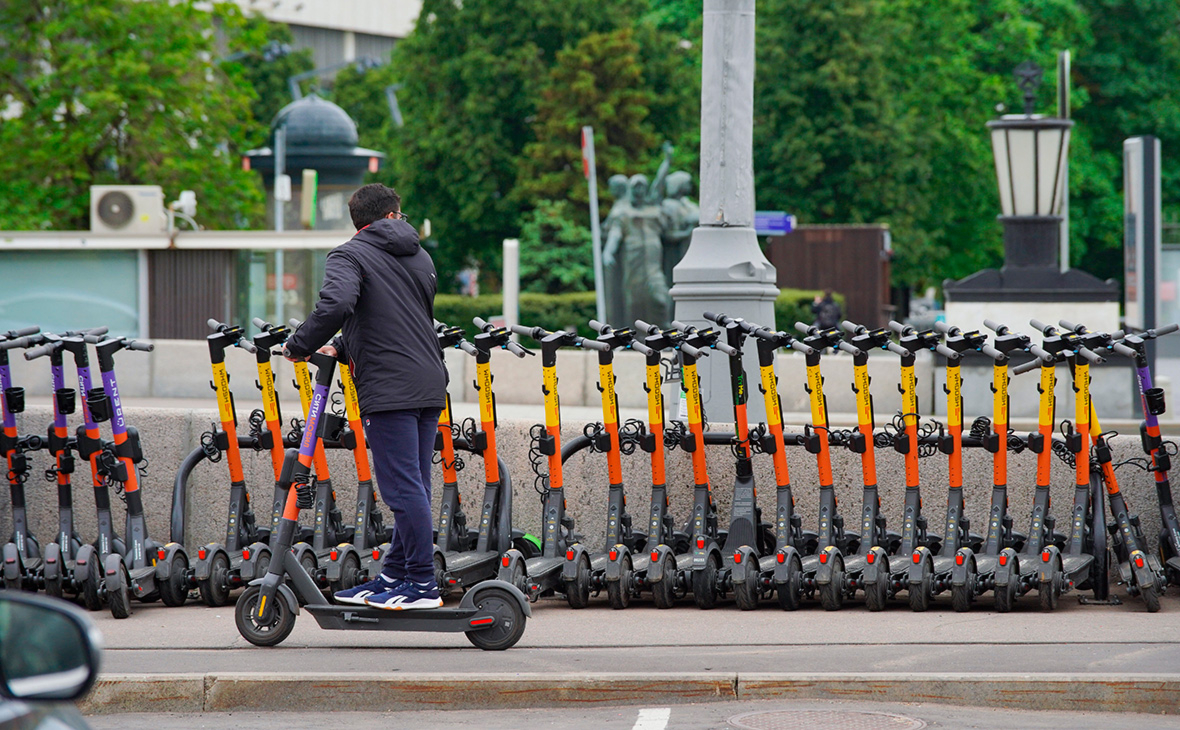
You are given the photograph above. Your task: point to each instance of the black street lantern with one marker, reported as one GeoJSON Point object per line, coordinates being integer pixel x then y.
{"type": "Point", "coordinates": [1031, 154]}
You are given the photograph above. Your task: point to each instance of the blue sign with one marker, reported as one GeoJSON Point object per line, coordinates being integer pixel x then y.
{"type": "Point", "coordinates": [773, 222]}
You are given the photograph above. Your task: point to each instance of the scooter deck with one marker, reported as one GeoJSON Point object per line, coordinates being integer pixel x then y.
{"type": "Point", "coordinates": [1076, 566]}
{"type": "Point", "coordinates": [466, 563]}
{"type": "Point", "coordinates": [359, 618]}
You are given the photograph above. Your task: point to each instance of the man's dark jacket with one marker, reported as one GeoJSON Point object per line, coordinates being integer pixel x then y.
{"type": "Point", "coordinates": [379, 291]}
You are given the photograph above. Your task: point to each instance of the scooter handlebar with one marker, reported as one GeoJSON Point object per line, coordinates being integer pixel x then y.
{"type": "Point", "coordinates": [716, 318]}
{"type": "Point", "coordinates": [1066, 324]}
{"type": "Point", "coordinates": [1026, 366]}
{"type": "Point", "coordinates": [13, 344]}
{"type": "Point", "coordinates": [467, 347]}
{"type": "Point", "coordinates": [691, 351]}
{"type": "Point", "coordinates": [731, 351]}
{"type": "Point", "coordinates": [1167, 329]}
{"type": "Point", "coordinates": [479, 322]}
{"type": "Point", "coordinates": [641, 348]}
{"type": "Point", "coordinates": [798, 346]}
{"type": "Point", "coordinates": [995, 326]}
{"type": "Point", "coordinates": [293, 323]}
{"type": "Point", "coordinates": [804, 328]}
{"type": "Point", "coordinates": [850, 349]}
{"type": "Point", "coordinates": [852, 328]}
{"type": "Point", "coordinates": [1040, 352]}
{"type": "Point", "coordinates": [642, 326]}
{"type": "Point", "coordinates": [41, 351]}
{"type": "Point", "coordinates": [260, 323]}
{"type": "Point", "coordinates": [1090, 355]}
{"type": "Point", "coordinates": [946, 352]}
{"type": "Point", "coordinates": [942, 327]}
{"type": "Point", "coordinates": [897, 327]}
{"type": "Point", "coordinates": [91, 331]}
{"type": "Point", "coordinates": [896, 349]}
{"type": "Point", "coordinates": [598, 327]}
{"type": "Point", "coordinates": [22, 332]}
{"type": "Point", "coordinates": [1118, 347]}
{"type": "Point", "coordinates": [678, 325]}
{"type": "Point", "coordinates": [516, 349]}
{"type": "Point", "coordinates": [1040, 326]}
{"type": "Point", "coordinates": [246, 345]}
{"type": "Point", "coordinates": [523, 331]}
{"type": "Point", "coordinates": [137, 345]}
{"type": "Point", "coordinates": [215, 325]}
{"type": "Point", "coordinates": [992, 352]}
{"type": "Point", "coordinates": [590, 344]}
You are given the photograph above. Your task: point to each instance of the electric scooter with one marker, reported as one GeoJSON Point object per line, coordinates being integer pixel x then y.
{"type": "Point", "coordinates": [270, 437]}
{"type": "Point", "coordinates": [975, 573]}
{"type": "Point", "coordinates": [930, 571]}
{"type": "Point", "coordinates": [492, 614]}
{"type": "Point", "coordinates": [148, 569]}
{"type": "Point", "coordinates": [782, 571]}
{"type": "Point", "coordinates": [244, 555]}
{"type": "Point", "coordinates": [22, 553]}
{"type": "Point", "coordinates": [614, 567]}
{"type": "Point", "coordinates": [672, 575]}
{"type": "Point", "coordinates": [882, 579]}
{"type": "Point", "coordinates": [548, 572]}
{"type": "Point", "coordinates": [875, 542]}
{"type": "Point", "coordinates": [823, 571]}
{"type": "Point", "coordinates": [459, 569]}
{"type": "Point", "coordinates": [1134, 346]}
{"type": "Point", "coordinates": [59, 569]}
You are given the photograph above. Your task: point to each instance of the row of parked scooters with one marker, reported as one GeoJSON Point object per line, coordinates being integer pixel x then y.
{"type": "Point", "coordinates": [754, 559]}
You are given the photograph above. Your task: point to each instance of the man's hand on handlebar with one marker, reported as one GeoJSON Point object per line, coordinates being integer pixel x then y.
{"type": "Point", "coordinates": [328, 350]}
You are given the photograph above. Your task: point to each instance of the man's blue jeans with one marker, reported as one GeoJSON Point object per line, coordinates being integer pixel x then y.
{"type": "Point", "coordinates": [403, 446]}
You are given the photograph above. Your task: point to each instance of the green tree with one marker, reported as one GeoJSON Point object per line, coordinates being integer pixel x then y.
{"type": "Point", "coordinates": [599, 82]}
{"type": "Point", "coordinates": [555, 255]}
{"type": "Point", "coordinates": [262, 55]}
{"type": "Point", "coordinates": [117, 91]}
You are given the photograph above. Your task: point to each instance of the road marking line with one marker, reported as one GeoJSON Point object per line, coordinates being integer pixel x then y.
{"type": "Point", "coordinates": [653, 719]}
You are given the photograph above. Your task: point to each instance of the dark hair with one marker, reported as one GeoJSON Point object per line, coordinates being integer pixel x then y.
{"type": "Point", "coordinates": [373, 202]}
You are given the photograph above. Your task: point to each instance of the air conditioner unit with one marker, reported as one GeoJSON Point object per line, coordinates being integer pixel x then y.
{"type": "Point", "coordinates": [127, 209]}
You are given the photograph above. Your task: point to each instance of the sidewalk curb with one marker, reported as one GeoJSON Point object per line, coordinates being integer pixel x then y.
{"type": "Point", "coordinates": [294, 692]}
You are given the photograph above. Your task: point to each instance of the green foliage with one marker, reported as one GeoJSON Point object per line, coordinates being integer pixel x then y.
{"type": "Point", "coordinates": [118, 91]}
{"type": "Point", "coordinates": [551, 311]}
{"type": "Point", "coordinates": [555, 253]}
{"type": "Point", "coordinates": [266, 73]}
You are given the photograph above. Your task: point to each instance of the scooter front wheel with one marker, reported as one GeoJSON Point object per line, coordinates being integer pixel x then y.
{"type": "Point", "coordinates": [577, 591]}
{"type": "Point", "coordinates": [509, 624]}
{"type": "Point", "coordinates": [119, 599]}
{"type": "Point", "coordinates": [618, 592]}
{"type": "Point", "coordinates": [255, 632]}
{"type": "Point", "coordinates": [91, 598]}
{"type": "Point", "coordinates": [962, 596]}
{"type": "Point", "coordinates": [174, 590]}
{"type": "Point", "coordinates": [788, 593]}
{"type": "Point", "coordinates": [1151, 598]}
{"type": "Point", "coordinates": [919, 593]}
{"type": "Point", "coordinates": [1050, 590]}
{"type": "Point", "coordinates": [215, 588]}
{"type": "Point", "coordinates": [831, 594]}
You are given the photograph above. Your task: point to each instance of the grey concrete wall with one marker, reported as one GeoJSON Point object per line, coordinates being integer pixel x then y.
{"type": "Point", "coordinates": [169, 434]}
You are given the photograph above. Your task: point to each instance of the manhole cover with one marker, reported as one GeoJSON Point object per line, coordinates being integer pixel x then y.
{"type": "Point", "coordinates": [824, 720]}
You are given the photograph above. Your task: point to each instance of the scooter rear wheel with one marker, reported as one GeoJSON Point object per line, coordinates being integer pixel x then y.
{"type": "Point", "coordinates": [258, 634]}
{"type": "Point", "coordinates": [663, 591]}
{"type": "Point", "coordinates": [1050, 590]}
{"type": "Point", "coordinates": [963, 596]}
{"type": "Point", "coordinates": [174, 591]}
{"type": "Point", "coordinates": [577, 591]}
{"type": "Point", "coordinates": [877, 592]}
{"type": "Point", "coordinates": [831, 594]}
{"type": "Point", "coordinates": [919, 593]}
{"type": "Point", "coordinates": [53, 586]}
{"type": "Point", "coordinates": [349, 574]}
{"type": "Point", "coordinates": [91, 598]}
{"type": "Point", "coordinates": [119, 599]}
{"type": "Point", "coordinates": [1005, 593]}
{"type": "Point", "coordinates": [215, 588]}
{"type": "Point", "coordinates": [746, 593]}
{"type": "Point", "coordinates": [1151, 598]}
{"type": "Point", "coordinates": [788, 593]}
{"type": "Point", "coordinates": [704, 584]}
{"type": "Point", "coordinates": [509, 625]}
{"type": "Point", "coordinates": [618, 592]}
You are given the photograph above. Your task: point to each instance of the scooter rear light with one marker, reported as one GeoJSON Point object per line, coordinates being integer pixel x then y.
{"type": "Point", "coordinates": [245, 553]}
{"type": "Point", "coordinates": [1003, 560]}
{"type": "Point", "coordinates": [376, 553]}
{"type": "Point", "coordinates": [1138, 561]}
{"type": "Point", "coordinates": [1046, 556]}
{"type": "Point", "coordinates": [737, 557]}
{"type": "Point", "coordinates": [54, 560]}
{"type": "Point", "coordinates": [160, 554]}
{"type": "Point", "coordinates": [655, 555]}
{"type": "Point", "coordinates": [569, 555]}
{"type": "Point", "coordinates": [505, 560]}
{"type": "Point", "coordinates": [917, 557]}
{"type": "Point", "coordinates": [201, 554]}
{"type": "Point", "coordinates": [958, 560]}
{"type": "Point", "coordinates": [823, 558]}
{"type": "Point", "coordinates": [781, 558]}
{"type": "Point", "coordinates": [614, 555]}
{"type": "Point", "coordinates": [334, 555]}
{"type": "Point", "coordinates": [871, 558]}
{"type": "Point", "coordinates": [700, 543]}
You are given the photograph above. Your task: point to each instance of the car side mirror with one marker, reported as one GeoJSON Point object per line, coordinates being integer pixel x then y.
{"type": "Point", "coordinates": [49, 650]}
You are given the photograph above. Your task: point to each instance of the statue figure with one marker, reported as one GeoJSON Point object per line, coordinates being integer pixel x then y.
{"type": "Point", "coordinates": [646, 235]}
{"type": "Point", "coordinates": [645, 290]}
{"type": "Point", "coordinates": [681, 216]}
{"type": "Point", "coordinates": [613, 227]}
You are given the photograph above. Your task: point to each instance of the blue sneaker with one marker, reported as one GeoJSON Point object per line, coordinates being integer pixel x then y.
{"type": "Point", "coordinates": [408, 595]}
{"type": "Point", "coordinates": [357, 594]}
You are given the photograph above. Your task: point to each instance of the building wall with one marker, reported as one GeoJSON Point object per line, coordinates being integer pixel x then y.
{"type": "Point", "coordinates": [389, 18]}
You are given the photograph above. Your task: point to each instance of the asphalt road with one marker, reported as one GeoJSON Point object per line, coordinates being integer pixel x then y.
{"type": "Point", "coordinates": [736, 715]}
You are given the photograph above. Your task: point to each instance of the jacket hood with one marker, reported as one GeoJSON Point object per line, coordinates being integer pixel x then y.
{"type": "Point", "coordinates": [390, 234]}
